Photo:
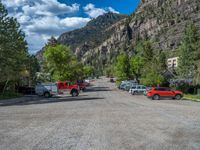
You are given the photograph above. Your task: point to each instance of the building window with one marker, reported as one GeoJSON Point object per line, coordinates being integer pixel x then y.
{"type": "Point", "coordinates": [172, 62]}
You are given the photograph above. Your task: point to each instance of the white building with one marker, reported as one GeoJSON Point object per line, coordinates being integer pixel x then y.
{"type": "Point", "coordinates": [172, 62]}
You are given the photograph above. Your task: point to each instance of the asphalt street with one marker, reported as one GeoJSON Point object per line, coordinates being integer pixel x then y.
{"type": "Point", "coordinates": [102, 118]}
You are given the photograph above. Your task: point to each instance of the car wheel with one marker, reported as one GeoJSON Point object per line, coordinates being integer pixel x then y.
{"type": "Point", "coordinates": [47, 94]}
{"type": "Point", "coordinates": [134, 93]}
{"type": "Point", "coordinates": [156, 97]}
{"type": "Point", "coordinates": [74, 93]}
{"type": "Point", "coordinates": [178, 97]}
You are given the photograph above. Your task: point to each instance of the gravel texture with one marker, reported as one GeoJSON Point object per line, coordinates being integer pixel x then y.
{"type": "Point", "coordinates": [102, 118]}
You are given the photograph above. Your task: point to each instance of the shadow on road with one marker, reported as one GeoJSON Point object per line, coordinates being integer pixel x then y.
{"type": "Point", "coordinates": [98, 89]}
{"type": "Point", "coordinates": [51, 100]}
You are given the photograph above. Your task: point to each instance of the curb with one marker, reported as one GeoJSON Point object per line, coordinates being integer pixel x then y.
{"type": "Point", "coordinates": [194, 100]}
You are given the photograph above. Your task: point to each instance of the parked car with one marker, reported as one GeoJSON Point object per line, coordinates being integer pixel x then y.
{"type": "Point", "coordinates": [146, 91]}
{"type": "Point", "coordinates": [157, 93]}
{"type": "Point", "coordinates": [137, 89]}
{"type": "Point", "coordinates": [51, 89]}
{"type": "Point", "coordinates": [130, 84]}
{"type": "Point", "coordinates": [127, 84]}
{"type": "Point", "coordinates": [122, 86]}
{"type": "Point", "coordinates": [82, 84]}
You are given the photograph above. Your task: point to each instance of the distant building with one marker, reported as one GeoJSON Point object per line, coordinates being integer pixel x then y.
{"type": "Point", "coordinates": [172, 62]}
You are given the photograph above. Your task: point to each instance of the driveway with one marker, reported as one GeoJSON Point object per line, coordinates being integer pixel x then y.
{"type": "Point", "coordinates": [102, 118]}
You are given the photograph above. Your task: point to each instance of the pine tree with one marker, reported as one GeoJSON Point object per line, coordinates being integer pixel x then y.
{"type": "Point", "coordinates": [186, 62]}
{"type": "Point", "coordinates": [52, 41]}
{"type": "Point", "coordinates": [13, 48]}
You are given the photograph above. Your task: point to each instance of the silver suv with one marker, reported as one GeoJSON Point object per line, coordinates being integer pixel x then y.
{"type": "Point", "coordinates": [137, 89]}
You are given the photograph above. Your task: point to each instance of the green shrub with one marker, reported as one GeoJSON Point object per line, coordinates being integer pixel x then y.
{"type": "Point", "coordinates": [9, 95]}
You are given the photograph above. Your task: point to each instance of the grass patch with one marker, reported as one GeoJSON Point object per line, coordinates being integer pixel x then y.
{"type": "Point", "coordinates": [192, 97]}
{"type": "Point", "coordinates": [9, 95]}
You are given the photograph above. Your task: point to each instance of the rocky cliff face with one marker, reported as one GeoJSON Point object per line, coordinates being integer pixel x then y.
{"type": "Point", "coordinates": [92, 35]}
{"type": "Point", "coordinates": [163, 21]}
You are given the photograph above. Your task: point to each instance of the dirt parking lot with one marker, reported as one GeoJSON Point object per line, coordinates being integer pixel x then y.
{"type": "Point", "coordinates": [102, 118]}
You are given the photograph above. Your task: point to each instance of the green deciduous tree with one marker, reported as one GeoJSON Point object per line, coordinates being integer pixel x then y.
{"type": "Point", "coordinates": [88, 71]}
{"type": "Point", "coordinates": [109, 71]}
{"type": "Point", "coordinates": [122, 67]}
{"type": "Point", "coordinates": [62, 64]}
{"type": "Point", "coordinates": [152, 78]}
{"type": "Point", "coordinates": [136, 67]}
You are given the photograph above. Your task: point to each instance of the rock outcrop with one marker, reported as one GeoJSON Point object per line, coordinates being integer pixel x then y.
{"type": "Point", "coordinates": [163, 21]}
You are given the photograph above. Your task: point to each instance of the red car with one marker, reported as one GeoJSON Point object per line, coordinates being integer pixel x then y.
{"type": "Point", "coordinates": [157, 93]}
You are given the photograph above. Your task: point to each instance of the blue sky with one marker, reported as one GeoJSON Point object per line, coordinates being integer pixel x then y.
{"type": "Point", "coordinates": [41, 19]}
{"type": "Point", "coordinates": [123, 6]}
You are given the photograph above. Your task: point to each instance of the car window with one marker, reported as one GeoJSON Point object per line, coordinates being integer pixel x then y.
{"type": "Point", "coordinates": [163, 89]}
{"type": "Point", "coordinates": [60, 84]}
{"type": "Point", "coordinates": [143, 87]}
{"type": "Point", "coordinates": [159, 89]}
{"type": "Point", "coordinates": [167, 89]}
{"type": "Point", "coordinates": [133, 87]}
{"type": "Point", "coordinates": [139, 87]}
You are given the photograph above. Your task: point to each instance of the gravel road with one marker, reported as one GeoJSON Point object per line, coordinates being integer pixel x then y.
{"type": "Point", "coordinates": [102, 118]}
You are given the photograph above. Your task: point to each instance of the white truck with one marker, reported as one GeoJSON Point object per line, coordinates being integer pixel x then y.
{"type": "Point", "coordinates": [46, 89]}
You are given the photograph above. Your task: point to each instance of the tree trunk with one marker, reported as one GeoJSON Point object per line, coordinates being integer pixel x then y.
{"type": "Point", "coordinates": [5, 86]}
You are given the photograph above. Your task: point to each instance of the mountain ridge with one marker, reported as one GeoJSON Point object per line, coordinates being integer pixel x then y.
{"type": "Point", "coordinates": [162, 21]}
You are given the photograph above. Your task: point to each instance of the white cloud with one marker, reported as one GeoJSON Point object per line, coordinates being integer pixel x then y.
{"type": "Point", "coordinates": [110, 9]}
{"type": "Point", "coordinates": [40, 19]}
{"type": "Point", "coordinates": [94, 12]}
{"type": "Point", "coordinates": [14, 3]}
{"type": "Point", "coordinates": [49, 8]}
{"type": "Point", "coordinates": [56, 25]}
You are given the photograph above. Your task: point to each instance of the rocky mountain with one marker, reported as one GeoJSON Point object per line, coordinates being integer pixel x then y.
{"type": "Point", "coordinates": [163, 21]}
{"type": "Point", "coordinates": [92, 35]}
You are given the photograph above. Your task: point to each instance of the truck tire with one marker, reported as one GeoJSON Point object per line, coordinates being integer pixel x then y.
{"type": "Point", "coordinates": [47, 95]}
{"type": "Point", "coordinates": [74, 93]}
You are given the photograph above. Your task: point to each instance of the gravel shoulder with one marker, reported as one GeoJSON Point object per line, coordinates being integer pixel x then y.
{"type": "Point", "coordinates": [102, 118]}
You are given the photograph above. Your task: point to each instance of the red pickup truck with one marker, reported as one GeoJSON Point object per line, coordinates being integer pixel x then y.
{"type": "Point", "coordinates": [67, 87]}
